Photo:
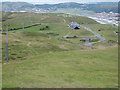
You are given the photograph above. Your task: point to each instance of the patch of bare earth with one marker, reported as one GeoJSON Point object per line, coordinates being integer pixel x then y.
{"type": "Point", "coordinates": [63, 47]}
{"type": "Point", "coordinates": [105, 47]}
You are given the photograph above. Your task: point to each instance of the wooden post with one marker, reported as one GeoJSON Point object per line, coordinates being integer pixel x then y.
{"type": "Point", "coordinates": [7, 53]}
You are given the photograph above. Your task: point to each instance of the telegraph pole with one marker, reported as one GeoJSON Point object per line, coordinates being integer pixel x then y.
{"type": "Point", "coordinates": [7, 53]}
{"type": "Point", "coordinates": [23, 27]}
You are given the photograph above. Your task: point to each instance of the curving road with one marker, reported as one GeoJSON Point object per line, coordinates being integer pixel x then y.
{"type": "Point", "coordinates": [88, 43]}
{"type": "Point", "coordinates": [95, 34]}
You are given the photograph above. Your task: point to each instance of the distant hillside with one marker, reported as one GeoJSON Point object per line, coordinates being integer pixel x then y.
{"type": "Point", "coordinates": [103, 7]}
{"type": "Point", "coordinates": [47, 8]}
{"type": "Point", "coordinates": [60, 5]}
{"type": "Point", "coordinates": [16, 6]}
{"type": "Point", "coordinates": [119, 7]}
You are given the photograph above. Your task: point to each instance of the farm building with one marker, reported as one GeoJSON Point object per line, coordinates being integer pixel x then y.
{"type": "Point", "coordinates": [85, 40]}
{"type": "Point", "coordinates": [74, 25]}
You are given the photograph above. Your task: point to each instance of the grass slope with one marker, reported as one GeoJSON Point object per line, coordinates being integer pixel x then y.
{"type": "Point", "coordinates": [42, 58]}
{"type": "Point", "coordinates": [31, 18]}
{"type": "Point", "coordinates": [73, 69]}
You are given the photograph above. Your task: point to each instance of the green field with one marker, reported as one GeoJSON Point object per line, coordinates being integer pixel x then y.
{"type": "Point", "coordinates": [80, 69]}
{"type": "Point", "coordinates": [73, 11]}
{"type": "Point", "coordinates": [43, 58]}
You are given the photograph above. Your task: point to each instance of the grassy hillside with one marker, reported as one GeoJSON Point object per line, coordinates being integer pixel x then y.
{"type": "Point", "coordinates": [73, 69]}
{"type": "Point", "coordinates": [40, 56]}
{"type": "Point", "coordinates": [31, 18]}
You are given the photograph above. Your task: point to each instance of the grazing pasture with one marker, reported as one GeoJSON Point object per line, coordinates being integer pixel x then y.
{"type": "Point", "coordinates": [40, 58]}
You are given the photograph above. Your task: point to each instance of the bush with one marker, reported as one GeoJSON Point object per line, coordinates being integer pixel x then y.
{"type": "Point", "coordinates": [47, 26]}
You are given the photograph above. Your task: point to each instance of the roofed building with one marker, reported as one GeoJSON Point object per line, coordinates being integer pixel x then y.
{"type": "Point", "coordinates": [85, 40]}
{"type": "Point", "coordinates": [74, 25]}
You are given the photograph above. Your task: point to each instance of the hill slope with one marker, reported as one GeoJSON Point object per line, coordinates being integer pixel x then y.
{"type": "Point", "coordinates": [40, 56]}
{"type": "Point", "coordinates": [23, 6]}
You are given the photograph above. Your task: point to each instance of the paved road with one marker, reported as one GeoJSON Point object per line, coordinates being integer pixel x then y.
{"type": "Point", "coordinates": [78, 36]}
{"type": "Point", "coordinates": [88, 43]}
{"type": "Point", "coordinates": [95, 34]}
